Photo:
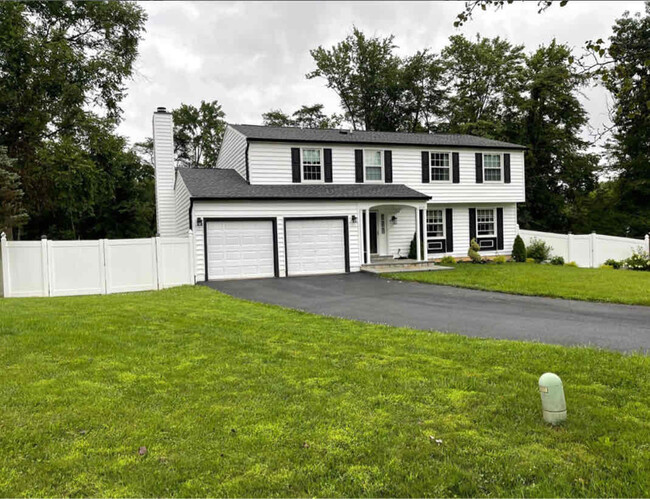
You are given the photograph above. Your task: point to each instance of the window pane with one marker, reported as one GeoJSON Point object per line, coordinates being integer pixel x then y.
{"type": "Point", "coordinates": [492, 167]}
{"type": "Point", "coordinates": [439, 173]}
{"type": "Point", "coordinates": [485, 222]}
{"type": "Point", "coordinates": [440, 166]}
{"type": "Point", "coordinates": [311, 164]}
{"type": "Point", "coordinates": [492, 175]}
{"type": "Point", "coordinates": [435, 223]}
{"type": "Point", "coordinates": [373, 173]}
{"type": "Point", "coordinates": [373, 158]}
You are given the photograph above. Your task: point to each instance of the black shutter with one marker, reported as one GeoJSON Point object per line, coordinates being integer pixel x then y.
{"type": "Point", "coordinates": [506, 168]}
{"type": "Point", "coordinates": [479, 167]}
{"type": "Point", "coordinates": [388, 166]}
{"type": "Point", "coordinates": [328, 165]}
{"type": "Point", "coordinates": [295, 165]}
{"type": "Point", "coordinates": [499, 228]}
{"type": "Point", "coordinates": [358, 166]}
{"type": "Point", "coordinates": [472, 224]}
{"type": "Point", "coordinates": [449, 228]}
{"type": "Point", "coordinates": [425, 167]}
{"type": "Point", "coordinates": [455, 161]}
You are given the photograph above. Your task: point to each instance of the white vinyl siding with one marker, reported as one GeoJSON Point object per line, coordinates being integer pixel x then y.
{"type": "Point", "coordinates": [164, 173]}
{"type": "Point", "coordinates": [270, 163]}
{"type": "Point", "coordinates": [182, 207]}
{"type": "Point", "coordinates": [232, 154]}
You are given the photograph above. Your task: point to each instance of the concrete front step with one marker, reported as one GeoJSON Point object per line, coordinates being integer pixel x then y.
{"type": "Point", "coordinates": [397, 266]}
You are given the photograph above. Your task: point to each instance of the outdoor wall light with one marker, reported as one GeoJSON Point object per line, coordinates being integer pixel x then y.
{"type": "Point", "coordinates": [354, 219]}
{"type": "Point", "coordinates": [199, 222]}
{"type": "Point", "coordinates": [393, 219]}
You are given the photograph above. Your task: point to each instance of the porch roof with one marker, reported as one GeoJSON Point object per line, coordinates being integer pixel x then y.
{"type": "Point", "coordinates": [214, 183]}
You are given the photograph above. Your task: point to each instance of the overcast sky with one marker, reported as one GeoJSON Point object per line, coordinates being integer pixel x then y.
{"type": "Point", "coordinates": [253, 57]}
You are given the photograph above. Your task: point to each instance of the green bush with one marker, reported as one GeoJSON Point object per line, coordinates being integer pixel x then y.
{"type": "Point", "coordinates": [519, 250]}
{"type": "Point", "coordinates": [473, 253]}
{"type": "Point", "coordinates": [640, 260]}
{"type": "Point", "coordinates": [615, 264]}
{"type": "Point", "coordinates": [557, 260]}
{"type": "Point", "coordinates": [413, 251]}
{"type": "Point", "coordinates": [571, 264]}
{"type": "Point", "coordinates": [538, 250]}
{"type": "Point", "coordinates": [605, 266]}
{"type": "Point", "coordinates": [499, 259]}
{"type": "Point", "coordinates": [530, 260]}
{"type": "Point", "coordinates": [448, 260]}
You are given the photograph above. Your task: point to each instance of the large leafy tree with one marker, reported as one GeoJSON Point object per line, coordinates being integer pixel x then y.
{"type": "Point", "coordinates": [12, 213]}
{"type": "Point", "coordinates": [305, 117]}
{"type": "Point", "coordinates": [63, 68]}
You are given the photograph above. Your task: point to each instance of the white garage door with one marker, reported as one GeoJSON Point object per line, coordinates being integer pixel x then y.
{"type": "Point", "coordinates": [315, 247]}
{"type": "Point", "coordinates": [240, 249]}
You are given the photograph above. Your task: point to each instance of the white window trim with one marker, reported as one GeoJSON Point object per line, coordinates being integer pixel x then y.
{"type": "Point", "coordinates": [383, 168]}
{"type": "Point", "coordinates": [500, 154]}
{"type": "Point", "coordinates": [494, 217]}
{"type": "Point", "coordinates": [322, 167]}
{"type": "Point", "coordinates": [451, 168]}
{"type": "Point", "coordinates": [444, 225]}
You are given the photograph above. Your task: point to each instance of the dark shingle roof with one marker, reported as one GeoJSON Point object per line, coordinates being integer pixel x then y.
{"type": "Point", "coordinates": [212, 183]}
{"type": "Point", "coordinates": [292, 134]}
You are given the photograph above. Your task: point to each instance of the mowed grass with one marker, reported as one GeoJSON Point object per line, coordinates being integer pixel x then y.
{"type": "Point", "coordinates": [232, 398]}
{"type": "Point", "coordinates": [606, 285]}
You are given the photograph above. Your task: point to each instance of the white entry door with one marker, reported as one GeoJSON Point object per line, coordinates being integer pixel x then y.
{"type": "Point", "coordinates": [315, 246]}
{"type": "Point", "coordinates": [240, 249]}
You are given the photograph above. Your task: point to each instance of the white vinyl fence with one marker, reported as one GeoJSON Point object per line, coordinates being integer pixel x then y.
{"type": "Point", "coordinates": [65, 268]}
{"type": "Point", "coordinates": [589, 250]}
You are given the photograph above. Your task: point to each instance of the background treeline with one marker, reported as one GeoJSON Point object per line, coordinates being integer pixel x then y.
{"type": "Point", "coordinates": [64, 171]}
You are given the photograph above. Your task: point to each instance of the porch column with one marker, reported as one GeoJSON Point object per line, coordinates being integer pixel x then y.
{"type": "Point", "coordinates": [418, 237]}
{"type": "Point", "coordinates": [425, 243]}
{"type": "Point", "coordinates": [367, 235]}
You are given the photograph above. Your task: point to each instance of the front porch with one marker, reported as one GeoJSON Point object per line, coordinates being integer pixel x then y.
{"type": "Point", "coordinates": [384, 264]}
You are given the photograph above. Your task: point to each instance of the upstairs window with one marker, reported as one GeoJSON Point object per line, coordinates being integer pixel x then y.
{"type": "Point", "coordinates": [492, 167]}
{"type": "Point", "coordinates": [485, 223]}
{"type": "Point", "coordinates": [312, 165]}
{"type": "Point", "coordinates": [435, 224]}
{"type": "Point", "coordinates": [373, 166]}
{"type": "Point", "coordinates": [440, 167]}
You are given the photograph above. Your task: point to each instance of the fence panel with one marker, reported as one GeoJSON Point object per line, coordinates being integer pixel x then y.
{"type": "Point", "coordinates": [130, 265]}
{"type": "Point", "coordinates": [25, 269]}
{"type": "Point", "coordinates": [175, 257]}
{"type": "Point", "coordinates": [617, 248]}
{"type": "Point", "coordinates": [76, 268]}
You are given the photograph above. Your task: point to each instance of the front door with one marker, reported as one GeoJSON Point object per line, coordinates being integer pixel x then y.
{"type": "Point", "coordinates": [373, 232]}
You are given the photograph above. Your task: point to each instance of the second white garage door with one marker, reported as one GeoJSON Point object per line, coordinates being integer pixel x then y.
{"type": "Point", "coordinates": [240, 249]}
{"type": "Point", "coordinates": [315, 246]}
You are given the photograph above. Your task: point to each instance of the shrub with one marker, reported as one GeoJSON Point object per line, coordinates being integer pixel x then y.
{"type": "Point", "coordinates": [448, 260]}
{"type": "Point", "coordinates": [538, 250]}
{"type": "Point", "coordinates": [640, 260]}
{"type": "Point", "coordinates": [557, 260]}
{"type": "Point", "coordinates": [530, 260]}
{"type": "Point", "coordinates": [473, 253]}
{"type": "Point", "coordinates": [519, 250]}
{"type": "Point", "coordinates": [571, 264]}
{"type": "Point", "coordinates": [499, 259]}
{"type": "Point", "coordinates": [605, 266]}
{"type": "Point", "coordinates": [413, 249]}
{"type": "Point", "coordinates": [615, 264]}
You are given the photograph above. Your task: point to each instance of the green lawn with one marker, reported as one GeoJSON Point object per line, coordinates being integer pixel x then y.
{"type": "Point", "coordinates": [233, 398]}
{"type": "Point", "coordinates": [608, 285]}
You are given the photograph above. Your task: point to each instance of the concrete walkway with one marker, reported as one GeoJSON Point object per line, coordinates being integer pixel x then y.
{"type": "Point", "coordinates": [371, 298]}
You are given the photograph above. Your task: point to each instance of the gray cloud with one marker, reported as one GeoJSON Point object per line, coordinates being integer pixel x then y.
{"type": "Point", "coordinates": [253, 56]}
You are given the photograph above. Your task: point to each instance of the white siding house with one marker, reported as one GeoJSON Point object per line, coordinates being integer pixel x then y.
{"type": "Point", "coordinates": [290, 201]}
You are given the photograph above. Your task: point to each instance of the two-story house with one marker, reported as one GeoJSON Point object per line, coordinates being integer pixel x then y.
{"type": "Point", "coordinates": [291, 201]}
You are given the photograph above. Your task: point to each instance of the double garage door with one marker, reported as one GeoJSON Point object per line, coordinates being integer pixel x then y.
{"type": "Point", "coordinates": [244, 249]}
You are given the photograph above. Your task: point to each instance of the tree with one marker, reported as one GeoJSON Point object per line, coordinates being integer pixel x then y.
{"type": "Point", "coordinates": [12, 213]}
{"type": "Point", "coordinates": [625, 72]}
{"type": "Point", "coordinates": [471, 5]}
{"type": "Point", "coordinates": [484, 77]}
{"type": "Point", "coordinates": [305, 117]}
{"type": "Point", "coordinates": [275, 117]}
{"type": "Point", "coordinates": [559, 171]}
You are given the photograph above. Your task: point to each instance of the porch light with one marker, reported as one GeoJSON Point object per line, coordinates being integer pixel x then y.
{"type": "Point", "coordinates": [354, 219]}
{"type": "Point", "coordinates": [393, 219]}
{"type": "Point", "coordinates": [199, 222]}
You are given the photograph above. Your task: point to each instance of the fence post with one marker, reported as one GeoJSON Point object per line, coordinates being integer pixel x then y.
{"type": "Point", "coordinates": [569, 247]}
{"type": "Point", "coordinates": [159, 263]}
{"type": "Point", "coordinates": [190, 235]}
{"type": "Point", "coordinates": [103, 267]}
{"type": "Point", "coordinates": [593, 254]}
{"type": "Point", "coordinates": [4, 258]}
{"type": "Point", "coordinates": [45, 266]}
{"type": "Point", "coordinates": [154, 260]}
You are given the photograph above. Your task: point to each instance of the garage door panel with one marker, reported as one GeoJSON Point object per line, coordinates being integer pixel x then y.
{"type": "Point", "coordinates": [315, 246]}
{"type": "Point", "coordinates": [240, 249]}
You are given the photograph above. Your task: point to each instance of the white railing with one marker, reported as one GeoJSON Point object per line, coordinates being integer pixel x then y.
{"type": "Point", "coordinates": [588, 250]}
{"type": "Point", "coordinates": [104, 266]}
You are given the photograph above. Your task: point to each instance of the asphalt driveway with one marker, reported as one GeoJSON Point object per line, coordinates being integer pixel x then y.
{"type": "Point", "coordinates": [370, 298]}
